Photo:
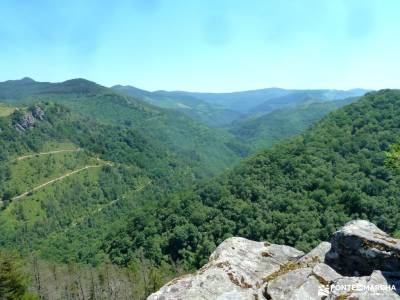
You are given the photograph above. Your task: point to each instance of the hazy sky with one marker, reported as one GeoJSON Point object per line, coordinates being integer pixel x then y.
{"type": "Point", "coordinates": [203, 45]}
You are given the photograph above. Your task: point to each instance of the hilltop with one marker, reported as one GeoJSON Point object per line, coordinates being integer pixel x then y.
{"type": "Point", "coordinates": [212, 148]}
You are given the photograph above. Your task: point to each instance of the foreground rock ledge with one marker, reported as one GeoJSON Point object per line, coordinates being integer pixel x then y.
{"type": "Point", "coordinates": [361, 262]}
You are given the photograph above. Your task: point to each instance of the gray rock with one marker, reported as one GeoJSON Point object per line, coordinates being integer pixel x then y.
{"type": "Point", "coordinates": [244, 269]}
{"type": "Point", "coordinates": [38, 113]}
{"type": "Point", "coordinates": [318, 253]}
{"type": "Point", "coordinates": [236, 270]}
{"type": "Point", "coordinates": [29, 119]}
{"type": "Point", "coordinates": [325, 273]}
{"type": "Point", "coordinates": [375, 286]}
{"type": "Point", "coordinates": [360, 247]}
{"type": "Point", "coordinates": [282, 287]}
{"type": "Point", "coordinates": [301, 280]}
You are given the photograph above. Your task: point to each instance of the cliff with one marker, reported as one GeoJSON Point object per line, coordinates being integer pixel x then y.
{"type": "Point", "coordinates": [360, 262]}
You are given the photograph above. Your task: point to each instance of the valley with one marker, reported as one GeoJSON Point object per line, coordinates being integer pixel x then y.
{"type": "Point", "coordinates": [94, 180]}
{"type": "Point", "coordinates": [199, 150]}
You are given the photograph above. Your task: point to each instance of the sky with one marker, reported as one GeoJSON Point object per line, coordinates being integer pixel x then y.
{"type": "Point", "coordinates": [203, 45]}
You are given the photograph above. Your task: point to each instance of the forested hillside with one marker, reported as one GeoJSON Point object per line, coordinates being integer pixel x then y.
{"type": "Point", "coordinates": [301, 97]}
{"type": "Point", "coordinates": [297, 193]}
{"type": "Point", "coordinates": [208, 113]}
{"type": "Point", "coordinates": [212, 148]}
{"type": "Point", "coordinates": [102, 193]}
{"type": "Point", "coordinates": [65, 180]}
{"type": "Point", "coordinates": [263, 101]}
{"type": "Point", "coordinates": [269, 129]}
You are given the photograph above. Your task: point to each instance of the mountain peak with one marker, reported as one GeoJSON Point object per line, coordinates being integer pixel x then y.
{"type": "Point", "coordinates": [27, 79]}
{"type": "Point", "coordinates": [81, 85]}
{"type": "Point", "coordinates": [130, 88]}
{"type": "Point", "coordinates": [79, 81]}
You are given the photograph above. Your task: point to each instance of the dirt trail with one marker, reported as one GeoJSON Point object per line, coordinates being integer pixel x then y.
{"type": "Point", "coordinates": [114, 201]}
{"type": "Point", "coordinates": [47, 153]}
{"type": "Point", "coordinates": [81, 219]}
{"type": "Point", "coordinates": [55, 180]}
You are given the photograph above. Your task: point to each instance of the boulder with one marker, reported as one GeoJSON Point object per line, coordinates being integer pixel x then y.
{"type": "Point", "coordinates": [379, 285]}
{"type": "Point", "coordinates": [38, 113]}
{"type": "Point", "coordinates": [360, 247]}
{"type": "Point", "coordinates": [236, 270]}
{"type": "Point", "coordinates": [29, 119]}
{"type": "Point", "coordinates": [244, 269]}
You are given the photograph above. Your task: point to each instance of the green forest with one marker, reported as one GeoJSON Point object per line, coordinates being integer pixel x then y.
{"type": "Point", "coordinates": [103, 194]}
{"type": "Point", "coordinates": [199, 150]}
{"type": "Point", "coordinates": [296, 193]}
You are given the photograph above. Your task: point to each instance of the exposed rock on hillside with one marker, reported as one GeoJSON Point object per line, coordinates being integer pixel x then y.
{"type": "Point", "coordinates": [38, 113]}
{"type": "Point", "coordinates": [244, 269]}
{"type": "Point", "coordinates": [27, 120]}
{"type": "Point", "coordinates": [360, 247]}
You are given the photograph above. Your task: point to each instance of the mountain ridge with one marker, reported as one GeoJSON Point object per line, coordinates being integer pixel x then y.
{"type": "Point", "coordinates": [295, 193]}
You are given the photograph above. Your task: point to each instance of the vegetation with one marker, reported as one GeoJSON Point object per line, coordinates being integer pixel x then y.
{"type": "Point", "coordinates": [67, 219]}
{"type": "Point", "coordinates": [5, 110]}
{"type": "Point", "coordinates": [209, 147]}
{"type": "Point", "coordinates": [265, 100]}
{"type": "Point", "coordinates": [13, 281]}
{"type": "Point", "coordinates": [102, 193]}
{"type": "Point", "coordinates": [296, 193]}
{"type": "Point", "coordinates": [269, 129]}
{"type": "Point", "coordinates": [208, 113]}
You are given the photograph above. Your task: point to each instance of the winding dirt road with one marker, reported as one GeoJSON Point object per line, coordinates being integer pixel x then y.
{"type": "Point", "coordinates": [81, 219]}
{"type": "Point", "coordinates": [54, 180]}
{"type": "Point", "coordinates": [47, 153]}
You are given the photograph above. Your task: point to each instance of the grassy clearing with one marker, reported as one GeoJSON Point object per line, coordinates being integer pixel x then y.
{"type": "Point", "coordinates": [5, 110]}
{"type": "Point", "coordinates": [28, 173]}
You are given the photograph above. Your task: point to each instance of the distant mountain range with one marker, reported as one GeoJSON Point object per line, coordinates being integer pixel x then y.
{"type": "Point", "coordinates": [152, 181]}
{"type": "Point", "coordinates": [179, 132]}
{"type": "Point", "coordinates": [346, 166]}
{"type": "Point", "coordinates": [247, 101]}
{"type": "Point", "coordinates": [269, 129]}
{"type": "Point", "coordinates": [232, 106]}
{"type": "Point", "coordinates": [258, 118]}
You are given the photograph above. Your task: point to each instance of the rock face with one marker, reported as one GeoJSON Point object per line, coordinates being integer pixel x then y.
{"type": "Point", "coordinates": [28, 120]}
{"type": "Point", "coordinates": [236, 270]}
{"type": "Point", "coordinates": [360, 247]}
{"type": "Point", "coordinates": [244, 269]}
{"type": "Point", "coordinates": [38, 113]}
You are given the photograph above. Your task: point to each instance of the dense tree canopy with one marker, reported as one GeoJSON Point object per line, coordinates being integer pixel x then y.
{"type": "Point", "coordinates": [13, 282]}
{"type": "Point", "coordinates": [297, 193]}
{"type": "Point", "coordinates": [132, 168]}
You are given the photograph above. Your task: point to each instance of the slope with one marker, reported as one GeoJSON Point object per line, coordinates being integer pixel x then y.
{"type": "Point", "coordinates": [302, 97]}
{"type": "Point", "coordinates": [209, 114]}
{"type": "Point", "coordinates": [265, 100]}
{"type": "Point", "coordinates": [66, 181]}
{"type": "Point", "coordinates": [267, 130]}
{"type": "Point", "coordinates": [212, 148]}
{"type": "Point", "coordinates": [345, 167]}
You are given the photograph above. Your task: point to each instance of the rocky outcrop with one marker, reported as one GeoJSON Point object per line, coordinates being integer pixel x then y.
{"type": "Point", "coordinates": [38, 113]}
{"type": "Point", "coordinates": [360, 247]}
{"type": "Point", "coordinates": [27, 120]}
{"type": "Point", "coordinates": [228, 275]}
{"type": "Point", "coordinates": [244, 269]}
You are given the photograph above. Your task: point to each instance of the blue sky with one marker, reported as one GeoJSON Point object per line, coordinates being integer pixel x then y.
{"type": "Point", "coordinates": [203, 45]}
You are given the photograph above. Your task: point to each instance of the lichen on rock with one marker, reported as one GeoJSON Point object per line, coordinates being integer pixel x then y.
{"type": "Point", "coordinates": [359, 255]}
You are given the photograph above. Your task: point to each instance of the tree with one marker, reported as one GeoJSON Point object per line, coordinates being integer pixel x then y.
{"type": "Point", "coordinates": [13, 282]}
